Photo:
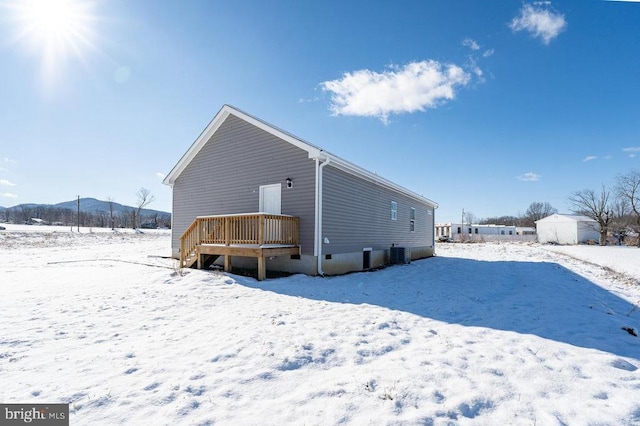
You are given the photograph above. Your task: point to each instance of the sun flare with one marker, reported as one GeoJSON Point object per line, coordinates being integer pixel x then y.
{"type": "Point", "coordinates": [53, 30]}
{"type": "Point", "coordinates": [51, 20]}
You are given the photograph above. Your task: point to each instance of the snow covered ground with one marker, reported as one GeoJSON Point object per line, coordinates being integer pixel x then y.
{"type": "Point", "coordinates": [517, 334]}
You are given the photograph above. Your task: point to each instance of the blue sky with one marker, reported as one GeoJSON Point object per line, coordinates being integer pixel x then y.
{"type": "Point", "coordinates": [482, 105]}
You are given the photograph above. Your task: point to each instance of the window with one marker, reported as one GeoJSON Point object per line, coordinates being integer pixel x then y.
{"type": "Point", "coordinates": [469, 230]}
{"type": "Point", "coordinates": [412, 220]}
{"type": "Point", "coordinates": [459, 230]}
{"type": "Point", "coordinates": [510, 232]}
{"type": "Point", "coordinates": [394, 210]}
{"type": "Point", "coordinates": [476, 230]}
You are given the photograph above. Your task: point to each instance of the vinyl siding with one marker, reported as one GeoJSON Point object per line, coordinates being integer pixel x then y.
{"type": "Point", "coordinates": [357, 214]}
{"type": "Point", "coordinates": [225, 176]}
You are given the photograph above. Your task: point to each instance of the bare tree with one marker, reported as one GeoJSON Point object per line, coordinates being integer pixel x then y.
{"type": "Point", "coordinates": [594, 206]}
{"type": "Point", "coordinates": [621, 208]}
{"type": "Point", "coordinates": [144, 198]}
{"type": "Point", "coordinates": [537, 211]}
{"type": "Point", "coordinates": [26, 213]}
{"type": "Point", "coordinates": [124, 218]}
{"type": "Point", "coordinates": [628, 189]}
{"type": "Point", "coordinates": [112, 222]}
{"type": "Point", "coordinates": [619, 227]}
{"type": "Point", "coordinates": [469, 217]}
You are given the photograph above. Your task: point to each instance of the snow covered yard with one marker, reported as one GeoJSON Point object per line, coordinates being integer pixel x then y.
{"type": "Point", "coordinates": [481, 334]}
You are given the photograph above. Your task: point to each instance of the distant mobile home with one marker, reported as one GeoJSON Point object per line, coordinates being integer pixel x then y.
{"type": "Point", "coordinates": [453, 230]}
{"type": "Point", "coordinates": [567, 229]}
{"type": "Point", "coordinates": [246, 190]}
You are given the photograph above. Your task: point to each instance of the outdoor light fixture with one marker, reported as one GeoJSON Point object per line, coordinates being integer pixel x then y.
{"type": "Point", "coordinates": [289, 183]}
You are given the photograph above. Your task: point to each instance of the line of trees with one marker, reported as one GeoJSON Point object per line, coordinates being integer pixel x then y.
{"type": "Point", "coordinates": [103, 219]}
{"type": "Point", "coordinates": [536, 211]}
{"type": "Point", "coordinates": [616, 209]}
{"type": "Point", "coordinates": [125, 218]}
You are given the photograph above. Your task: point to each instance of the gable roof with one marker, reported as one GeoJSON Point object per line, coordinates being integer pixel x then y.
{"type": "Point", "coordinates": [566, 218]}
{"type": "Point", "coordinates": [313, 151]}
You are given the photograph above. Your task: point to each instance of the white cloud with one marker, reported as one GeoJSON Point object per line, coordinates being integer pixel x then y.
{"type": "Point", "coordinates": [590, 158]}
{"type": "Point", "coordinates": [530, 177]}
{"type": "Point", "coordinates": [411, 88]}
{"type": "Point", "coordinates": [161, 175]}
{"type": "Point", "coordinates": [4, 182]}
{"type": "Point", "coordinates": [8, 195]}
{"type": "Point", "coordinates": [488, 53]}
{"type": "Point", "coordinates": [476, 70]}
{"type": "Point", "coordinates": [632, 151]}
{"type": "Point", "coordinates": [8, 160]}
{"type": "Point", "coordinates": [539, 21]}
{"type": "Point", "coordinates": [308, 100]}
{"type": "Point", "coordinates": [471, 44]}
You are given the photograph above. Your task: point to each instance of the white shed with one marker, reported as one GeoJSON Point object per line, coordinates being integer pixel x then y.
{"type": "Point", "coordinates": [567, 229]}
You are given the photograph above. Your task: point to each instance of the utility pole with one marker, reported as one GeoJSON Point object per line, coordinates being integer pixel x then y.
{"type": "Point", "coordinates": [78, 214]}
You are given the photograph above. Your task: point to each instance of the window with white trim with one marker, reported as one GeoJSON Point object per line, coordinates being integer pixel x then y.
{"type": "Point", "coordinates": [394, 210]}
{"type": "Point", "coordinates": [412, 220]}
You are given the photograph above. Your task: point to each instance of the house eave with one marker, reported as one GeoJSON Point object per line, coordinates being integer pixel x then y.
{"type": "Point", "coordinates": [358, 171]}
{"type": "Point", "coordinates": [314, 153]}
{"type": "Point", "coordinates": [215, 124]}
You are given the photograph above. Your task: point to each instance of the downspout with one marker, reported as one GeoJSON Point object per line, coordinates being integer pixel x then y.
{"type": "Point", "coordinates": [319, 216]}
{"type": "Point", "coordinates": [316, 237]}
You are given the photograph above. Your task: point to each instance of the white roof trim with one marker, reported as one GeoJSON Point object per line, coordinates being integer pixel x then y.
{"type": "Point", "coordinates": [314, 152]}
{"type": "Point", "coordinates": [352, 169]}
{"type": "Point", "coordinates": [572, 217]}
{"type": "Point", "coordinates": [213, 127]}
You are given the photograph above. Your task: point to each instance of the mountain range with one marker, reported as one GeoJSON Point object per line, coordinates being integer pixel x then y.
{"type": "Point", "coordinates": [88, 205]}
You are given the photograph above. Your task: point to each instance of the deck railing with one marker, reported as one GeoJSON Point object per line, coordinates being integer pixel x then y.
{"type": "Point", "coordinates": [244, 229]}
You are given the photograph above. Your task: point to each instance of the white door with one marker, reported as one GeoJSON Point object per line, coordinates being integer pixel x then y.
{"type": "Point", "coordinates": [271, 199]}
{"type": "Point", "coordinates": [270, 202]}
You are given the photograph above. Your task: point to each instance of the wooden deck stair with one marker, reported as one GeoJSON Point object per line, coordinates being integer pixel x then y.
{"type": "Point", "coordinates": [257, 235]}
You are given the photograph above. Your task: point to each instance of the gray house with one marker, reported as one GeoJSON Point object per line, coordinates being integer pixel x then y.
{"type": "Point", "coordinates": [246, 190]}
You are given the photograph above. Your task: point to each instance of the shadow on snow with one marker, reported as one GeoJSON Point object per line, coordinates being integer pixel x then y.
{"type": "Point", "coordinates": [538, 298]}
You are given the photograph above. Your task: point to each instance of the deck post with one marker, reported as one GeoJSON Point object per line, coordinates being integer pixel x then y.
{"type": "Point", "coordinates": [227, 263]}
{"type": "Point", "coordinates": [262, 268]}
{"type": "Point", "coordinates": [227, 231]}
{"type": "Point", "coordinates": [261, 222]}
{"type": "Point", "coordinates": [183, 256]}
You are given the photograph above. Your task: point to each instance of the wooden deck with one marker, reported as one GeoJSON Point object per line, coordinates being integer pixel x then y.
{"type": "Point", "coordinates": [258, 235]}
